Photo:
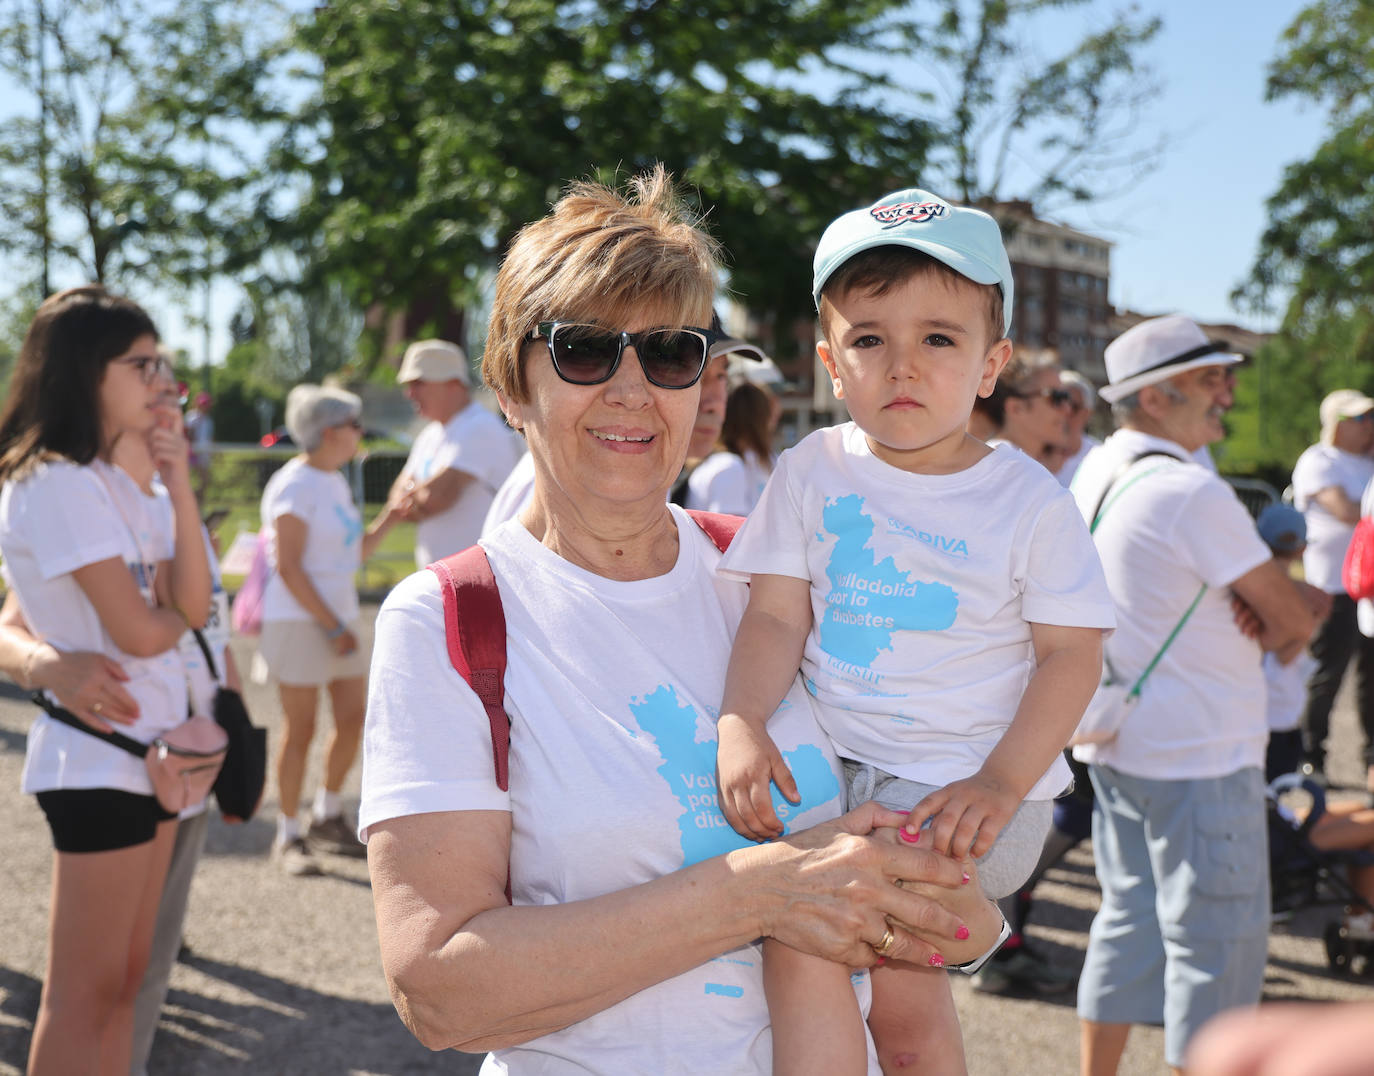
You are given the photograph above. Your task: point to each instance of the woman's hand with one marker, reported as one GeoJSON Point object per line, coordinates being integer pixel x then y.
{"type": "Point", "coordinates": [838, 892]}
{"type": "Point", "coordinates": [89, 685]}
{"type": "Point", "coordinates": [344, 644]}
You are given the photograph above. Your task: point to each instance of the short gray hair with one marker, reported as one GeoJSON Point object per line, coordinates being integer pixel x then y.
{"type": "Point", "coordinates": [312, 409]}
{"type": "Point", "coordinates": [1126, 408]}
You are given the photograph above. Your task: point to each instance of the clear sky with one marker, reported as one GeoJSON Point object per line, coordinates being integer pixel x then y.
{"type": "Point", "coordinates": [1187, 234]}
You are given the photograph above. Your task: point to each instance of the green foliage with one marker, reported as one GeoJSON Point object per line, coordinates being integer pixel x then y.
{"type": "Point", "coordinates": [1318, 249]}
{"type": "Point", "coordinates": [1319, 246]}
{"type": "Point", "coordinates": [441, 127]}
{"type": "Point", "coordinates": [124, 159]}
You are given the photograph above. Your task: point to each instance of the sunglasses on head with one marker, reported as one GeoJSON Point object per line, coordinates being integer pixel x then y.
{"type": "Point", "coordinates": [590, 355]}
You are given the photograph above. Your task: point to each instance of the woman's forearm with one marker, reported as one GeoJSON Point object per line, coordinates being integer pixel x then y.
{"type": "Point", "coordinates": [190, 569]}
{"type": "Point", "coordinates": [468, 972]}
{"type": "Point", "coordinates": [297, 582]}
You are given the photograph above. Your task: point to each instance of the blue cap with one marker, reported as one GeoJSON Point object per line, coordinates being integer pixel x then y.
{"type": "Point", "coordinates": [1283, 528]}
{"type": "Point", "coordinates": [967, 240]}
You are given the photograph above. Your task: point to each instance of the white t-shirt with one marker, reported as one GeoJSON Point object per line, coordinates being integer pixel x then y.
{"type": "Point", "coordinates": [1322, 467]}
{"type": "Point", "coordinates": [612, 772]}
{"type": "Point", "coordinates": [923, 589]}
{"type": "Point", "coordinates": [514, 494]}
{"type": "Point", "coordinates": [1286, 690]}
{"type": "Point", "coordinates": [473, 441]}
{"type": "Point", "coordinates": [62, 517]}
{"type": "Point", "coordinates": [1066, 472]}
{"type": "Point", "coordinates": [333, 539]}
{"type": "Point", "coordinates": [725, 482]}
{"type": "Point", "coordinates": [1201, 712]}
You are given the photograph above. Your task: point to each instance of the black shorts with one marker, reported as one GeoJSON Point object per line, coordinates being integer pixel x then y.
{"type": "Point", "coordinates": [100, 819]}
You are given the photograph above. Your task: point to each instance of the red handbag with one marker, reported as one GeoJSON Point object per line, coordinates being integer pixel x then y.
{"type": "Point", "coordinates": [1357, 573]}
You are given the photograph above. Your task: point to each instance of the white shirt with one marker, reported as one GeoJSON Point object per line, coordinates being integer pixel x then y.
{"type": "Point", "coordinates": [1066, 472]}
{"type": "Point", "coordinates": [612, 772]}
{"type": "Point", "coordinates": [514, 494]}
{"type": "Point", "coordinates": [62, 517]}
{"type": "Point", "coordinates": [725, 482]}
{"type": "Point", "coordinates": [1286, 690]}
{"type": "Point", "coordinates": [1201, 712]}
{"type": "Point", "coordinates": [477, 443]}
{"type": "Point", "coordinates": [923, 590]}
{"type": "Point", "coordinates": [333, 539]}
{"type": "Point", "coordinates": [1322, 467]}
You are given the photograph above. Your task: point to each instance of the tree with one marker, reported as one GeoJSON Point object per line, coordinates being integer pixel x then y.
{"type": "Point", "coordinates": [1319, 246]}
{"type": "Point", "coordinates": [1045, 130]}
{"type": "Point", "coordinates": [126, 161]}
{"type": "Point", "coordinates": [440, 127]}
{"type": "Point", "coordinates": [1316, 255]}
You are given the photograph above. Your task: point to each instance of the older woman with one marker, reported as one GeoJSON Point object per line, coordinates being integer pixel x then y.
{"type": "Point", "coordinates": [631, 945]}
{"type": "Point", "coordinates": [310, 625]}
{"type": "Point", "coordinates": [1036, 409]}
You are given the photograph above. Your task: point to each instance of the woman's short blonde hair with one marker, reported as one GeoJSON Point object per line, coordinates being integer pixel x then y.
{"type": "Point", "coordinates": [602, 256]}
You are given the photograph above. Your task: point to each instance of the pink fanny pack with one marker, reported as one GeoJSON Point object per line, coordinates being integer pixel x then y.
{"type": "Point", "coordinates": [182, 762]}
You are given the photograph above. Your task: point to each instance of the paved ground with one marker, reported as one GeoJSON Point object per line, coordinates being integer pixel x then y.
{"type": "Point", "coordinates": [283, 975]}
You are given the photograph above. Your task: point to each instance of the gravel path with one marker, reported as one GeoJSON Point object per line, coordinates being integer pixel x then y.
{"type": "Point", "coordinates": [283, 974]}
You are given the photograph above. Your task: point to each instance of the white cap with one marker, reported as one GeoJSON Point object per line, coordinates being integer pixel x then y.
{"type": "Point", "coordinates": [434, 360]}
{"type": "Point", "coordinates": [1157, 350]}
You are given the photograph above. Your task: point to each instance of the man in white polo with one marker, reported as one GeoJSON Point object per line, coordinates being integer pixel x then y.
{"type": "Point", "coordinates": [458, 460]}
{"type": "Point", "coordinates": [1179, 839]}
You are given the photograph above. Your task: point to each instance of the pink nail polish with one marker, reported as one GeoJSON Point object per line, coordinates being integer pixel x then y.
{"type": "Point", "coordinates": [909, 837]}
{"type": "Point", "coordinates": [966, 880]}
{"type": "Point", "coordinates": [936, 961]}
{"type": "Point", "coordinates": [961, 934]}
{"type": "Point", "coordinates": [881, 961]}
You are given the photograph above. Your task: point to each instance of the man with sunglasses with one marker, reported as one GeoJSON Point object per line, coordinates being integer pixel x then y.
{"type": "Point", "coordinates": [459, 459]}
{"type": "Point", "coordinates": [1328, 481]}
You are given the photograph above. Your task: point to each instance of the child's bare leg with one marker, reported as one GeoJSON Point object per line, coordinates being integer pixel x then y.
{"type": "Point", "coordinates": [817, 1027]}
{"type": "Point", "coordinates": [914, 1024]}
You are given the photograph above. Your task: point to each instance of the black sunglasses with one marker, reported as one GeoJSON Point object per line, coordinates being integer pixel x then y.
{"type": "Point", "coordinates": [590, 355]}
{"type": "Point", "coordinates": [1056, 397]}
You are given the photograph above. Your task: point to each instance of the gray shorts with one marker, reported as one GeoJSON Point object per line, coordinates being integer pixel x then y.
{"type": "Point", "coordinates": [1012, 857]}
{"type": "Point", "coordinates": [1183, 930]}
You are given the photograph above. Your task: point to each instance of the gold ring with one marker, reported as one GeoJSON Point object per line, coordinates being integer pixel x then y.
{"type": "Point", "coordinates": [95, 707]}
{"type": "Point", "coordinates": [885, 946]}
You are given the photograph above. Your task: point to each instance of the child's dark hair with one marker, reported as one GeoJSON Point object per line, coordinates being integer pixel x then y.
{"type": "Point", "coordinates": [879, 269]}
{"type": "Point", "coordinates": [53, 407]}
{"type": "Point", "coordinates": [748, 416]}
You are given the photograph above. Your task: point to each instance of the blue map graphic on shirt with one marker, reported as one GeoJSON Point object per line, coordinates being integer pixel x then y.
{"type": "Point", "coordinates": [689, 767]}
{"type": "Point", "coordinates": [353, 526]}
{"type": "Point", "coordinates": [870, 599]}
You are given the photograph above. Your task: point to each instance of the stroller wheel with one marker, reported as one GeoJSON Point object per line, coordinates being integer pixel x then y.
{"type": "Point", "coordinates": [1339, 949]}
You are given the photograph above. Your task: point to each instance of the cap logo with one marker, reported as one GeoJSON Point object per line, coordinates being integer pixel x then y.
{"type": "Point", "coordinates": [889, 216]}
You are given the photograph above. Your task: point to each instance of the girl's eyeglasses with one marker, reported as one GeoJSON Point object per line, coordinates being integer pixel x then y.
{"type": "Point", "coordinates": [590, 355]}
{"type": "Point", "coordinates": [149, 367]}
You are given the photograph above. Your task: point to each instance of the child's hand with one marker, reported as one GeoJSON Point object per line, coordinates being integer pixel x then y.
{"type": "Point", "coordinates": [747, 764]}
{"type": "Point", "coordinates": [966, 816]}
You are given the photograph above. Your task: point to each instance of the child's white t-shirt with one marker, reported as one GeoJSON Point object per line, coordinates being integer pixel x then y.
{"type": "Point", "coordinates": [333, 539]}
{"type": "Point", "coordinates": [59, 518]}
{"type": "Point", "coordinates": [923, 589]}
{"type": "Point", "coordinates": [613, 689]}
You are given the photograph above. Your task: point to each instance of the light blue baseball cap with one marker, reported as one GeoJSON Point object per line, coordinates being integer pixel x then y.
{"type": "Point", "coordinates": [967, 240]}
{"type": "Point", "coordinates": [1282, 528]}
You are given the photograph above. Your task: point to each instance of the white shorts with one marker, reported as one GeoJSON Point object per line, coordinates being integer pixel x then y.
{"type": "Point", "coordinates": [296, 653]}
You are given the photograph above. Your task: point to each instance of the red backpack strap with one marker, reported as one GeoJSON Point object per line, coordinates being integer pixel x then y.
{"type": "Point", "coordinates": [719, 527]}
{"type": "Point", "coordinates": [477, 641]}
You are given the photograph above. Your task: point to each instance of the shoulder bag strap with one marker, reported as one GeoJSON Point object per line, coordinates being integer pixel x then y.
{"type": "Point", "coordinates": [114, 739]}
{"type": "Point", "coordinates": [476, 641]}
{"type": "Point", "coordinates": [205, 649]}
{"type": "Point", "coordinates": [719, 527]}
